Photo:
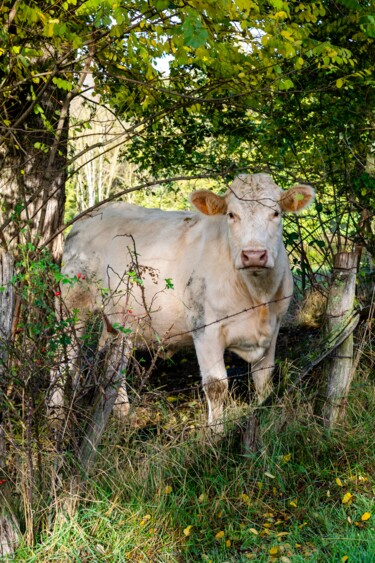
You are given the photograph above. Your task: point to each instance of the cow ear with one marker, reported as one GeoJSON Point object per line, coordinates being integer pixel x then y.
{"type": "Point", "coordinates": [208, 203]}
{"type": "Point", "coordinates": [297, 198]}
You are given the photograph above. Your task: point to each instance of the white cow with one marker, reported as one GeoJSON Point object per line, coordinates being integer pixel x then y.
{"type": "Point", "coordinates": [228, 266]}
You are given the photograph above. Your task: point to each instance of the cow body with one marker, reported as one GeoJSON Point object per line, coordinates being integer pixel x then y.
{"type": "Point", "coordinates": [228, 266]}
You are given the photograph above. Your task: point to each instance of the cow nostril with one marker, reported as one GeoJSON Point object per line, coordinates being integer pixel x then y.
{"type": "Point", "coordinates": [254, 258]}
{"type": "Point", "coordinates": [263, 256]}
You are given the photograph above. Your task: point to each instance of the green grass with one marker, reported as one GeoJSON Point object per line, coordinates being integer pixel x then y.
{"type": "Point", "coordinates": [148, 487]}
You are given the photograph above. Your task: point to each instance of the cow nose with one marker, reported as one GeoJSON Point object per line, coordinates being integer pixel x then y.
{"type": "Point", "coordinates": [254, 258]}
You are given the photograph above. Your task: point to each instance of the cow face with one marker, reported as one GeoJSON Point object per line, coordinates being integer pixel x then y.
{"type": "Point", "coordinates": [253, 206]}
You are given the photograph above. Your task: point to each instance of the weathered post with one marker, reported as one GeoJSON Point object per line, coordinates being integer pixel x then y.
{"type": "Point", "coordinates": [8, 527]}
{"type": "Point", "coordinates": [337, 372]}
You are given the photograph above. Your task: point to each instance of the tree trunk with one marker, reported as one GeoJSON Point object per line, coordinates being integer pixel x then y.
{"type": "Point", "coordinates": [8, 528]}
{"type": "Point", "coordinates": [338, 371]}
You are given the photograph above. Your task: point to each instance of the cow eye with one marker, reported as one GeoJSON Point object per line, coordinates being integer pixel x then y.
{"type": "Point", "coordinates": [230, 215]}
{"type": "Point", "coordinates": [276, 213]}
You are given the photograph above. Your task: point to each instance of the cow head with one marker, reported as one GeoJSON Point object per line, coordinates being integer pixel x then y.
{"type": "Point", "coordinates": [253, 206]}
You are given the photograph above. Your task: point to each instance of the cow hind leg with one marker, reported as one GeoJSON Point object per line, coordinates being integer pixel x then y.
{"type": "Point", "coordinates": [56, 399]}
{"type": "Point", "coordinates": [117, 359]}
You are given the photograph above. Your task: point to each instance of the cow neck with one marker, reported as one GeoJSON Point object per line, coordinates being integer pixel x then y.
{"type": "Point", "coordinates": [263, 288]}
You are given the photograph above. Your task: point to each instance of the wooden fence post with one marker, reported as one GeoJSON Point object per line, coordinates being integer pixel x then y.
{"type": "Point", "coordinates": [337, 372]}
{"type": "Point", "coordinates": [8, 526]}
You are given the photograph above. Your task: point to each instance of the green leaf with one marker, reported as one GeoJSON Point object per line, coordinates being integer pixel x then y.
{"type": "Point", "coordinates": [63, 84]}
{"type": "Point", "coordinates": [194, 33]}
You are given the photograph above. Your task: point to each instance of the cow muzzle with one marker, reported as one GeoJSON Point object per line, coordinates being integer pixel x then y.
{"type": "Point", "coordinates": [254, 258]}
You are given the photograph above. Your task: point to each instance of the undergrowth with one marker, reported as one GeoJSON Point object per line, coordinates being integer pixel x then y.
{"type": "Point", "coordinates": [164, 491]}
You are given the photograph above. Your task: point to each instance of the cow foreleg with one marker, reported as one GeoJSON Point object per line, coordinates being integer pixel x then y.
{"type": "Point", "coordinates": [214, 380]}
{"type": "Point", "coordinates": [262, 370]}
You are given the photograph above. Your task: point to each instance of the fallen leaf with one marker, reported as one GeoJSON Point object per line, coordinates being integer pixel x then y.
{"type": "Point", "coordinates": [202, 497]}
{"type": "Point", "coordinates": [244, 497]}
{"type": "Point", "coordinates": [286, 458]}
{"type": "Point", "coordinates": [187, 530]}
{"type": "Point", "coordinates": [365, 516]}
{"type": "Point", "coordinates": [338, 481]}
{"type": "Point", "coordinates": [346, 498]}
{"type": "Point", "coordinates": [345, 558]}
{"type": "Point", "coordinates": [270, 475]}
{"type": "Point", "coordinates": [219, 535]}
{"type": "Point", "coordinates": [282, 534]}
{"type": "Point", "coordinates": [285, 559]}
{"type": "Point", "coordinates": [274, 550]}
{"type": "Point", "coordinates": [168, 489]}
{"type": "Point", "coordinates": [254, 531]}
{"type": "Point", "coordinates": [228, 543]}
{"type": "Point", "coordinates": [293, 503]}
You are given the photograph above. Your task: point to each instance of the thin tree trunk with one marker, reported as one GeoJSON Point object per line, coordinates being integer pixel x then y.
{"type": "Point", "coordinates": [8, 527]}
{"type": "Point", "coordinates": [338, 373]}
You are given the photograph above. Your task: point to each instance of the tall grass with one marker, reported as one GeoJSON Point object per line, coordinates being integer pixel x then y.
{"type": "Point", "coordinates": [163, 491]}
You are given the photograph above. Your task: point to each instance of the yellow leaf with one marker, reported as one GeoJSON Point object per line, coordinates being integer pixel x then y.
{"type": "Point", "coordinates": [338, 481]}
{"type": "Point", "coordinates": [365, 516]}
{"type": "Point", "coordinates": [228, 543]}
{"type": "Point", "coordinates": [286, 458]}
{"type": "Point", "coordinates": [293, 503]}
{"type": "Point", "coordinates": [269, 475]}
{"type": "Point", "coordinates": [339, 83]}
{"type": "Point", "coordinates": [346, 498]}
{"type": "Point", "coordinates": [245, 498]}
{"type": "Point", "coordinates": [281, 15]}
{"type": "Point", "coordinates": [274, 550]}
{"type": "Point", "coordinates": [282, 534]}
{"type": "Point", "coordinates": [219, 535]}
{"type": "Point", "coordinates": [187, 530]}
{"type": "Point", "coordinates": [254, 531]}
{"type": "Point", "coordinates": [202, 497]}
{"type": "Point", "coordinates": [168, 489]}
{"type": "Point", "coordinates": [345, 558]}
